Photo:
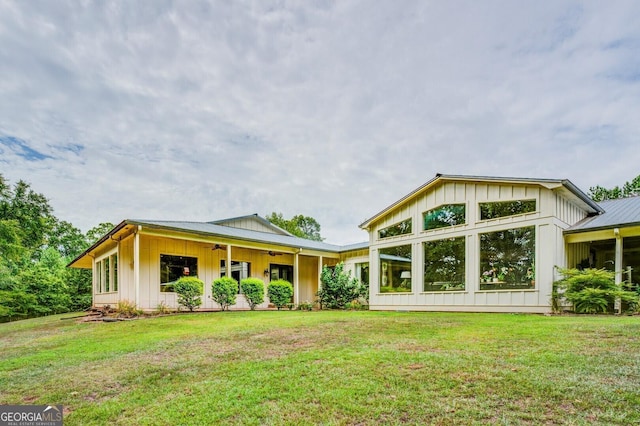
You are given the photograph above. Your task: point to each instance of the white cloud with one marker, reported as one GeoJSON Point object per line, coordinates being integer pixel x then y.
{"type": "Point", "coordinates": [202, 110]}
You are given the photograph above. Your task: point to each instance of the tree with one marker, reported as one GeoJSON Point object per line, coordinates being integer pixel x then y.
{"type": "Point", "coordinates": [97, 232]}
{"type": "Point", "coordinates": [299, 225]}
{"type": "Point", "coordinates": [339, 288]}
{"type": "Point", "coordinates": [629, 189]}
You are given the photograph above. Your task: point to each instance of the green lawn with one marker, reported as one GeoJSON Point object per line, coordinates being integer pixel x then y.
{"type": "Point", "coordinates": [329, 368]}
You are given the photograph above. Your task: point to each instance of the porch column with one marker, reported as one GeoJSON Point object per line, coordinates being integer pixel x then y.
{"type": "Point", "coordinates": [296, 281]}
{"type": "Point", "coordinates": [320, 265]}
{"type": "Point", "coordinates": [136, 266]}
{"type": "Point", "coordinates": [618, 258]}
{"type": "Point", "coordinates": [618, 267]}
{"type": "Point", "coordinates": [228, 262]}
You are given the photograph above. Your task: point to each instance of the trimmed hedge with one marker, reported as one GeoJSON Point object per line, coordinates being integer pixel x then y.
{"type": "Point", "coordinates": [253, 290]}
{"type": "Point", "coordinates": [189, 290]}
{"type": "Point", "coordinates": [280, 293]}
{"type": "Point", "coordinates": [223, 292]}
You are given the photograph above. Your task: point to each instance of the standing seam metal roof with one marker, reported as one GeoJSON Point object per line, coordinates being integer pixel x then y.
{"type": "Point", "coordinates": [620, 212]}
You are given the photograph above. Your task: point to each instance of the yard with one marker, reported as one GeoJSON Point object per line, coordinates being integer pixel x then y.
{"type": "Point", "coordinates": [329, 368]}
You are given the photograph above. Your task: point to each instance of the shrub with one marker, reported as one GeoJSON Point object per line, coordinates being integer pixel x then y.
{"type": "Point", "coordinates": [305, 306]}
{"type": "Point", "coordinates": [253, 290]}
{"type": "Point", "coordinates": [162, 308]}
{"type": "Point", "coordinates": [280, 293]}
{"type": "Point", "coordinates": [339, 288]}
{"type": "Point", "coordinates": [189, 290]}
{"type": "Point", "coordinates": [592, 291]}
{"type": "Point", "coordinates": [127, 309]}
{"type": "Point", "coordinates": [223, 292]}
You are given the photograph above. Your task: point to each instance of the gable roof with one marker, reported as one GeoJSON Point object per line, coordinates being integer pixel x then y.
{"type": "Point", "coordinates": [210, 229]}
{"type": "Point", "coordinates": [618, 213]}
{"type": "Point", "coordinates": [564, 185]}
{"type": "Point", "coordinates": [255, 217]}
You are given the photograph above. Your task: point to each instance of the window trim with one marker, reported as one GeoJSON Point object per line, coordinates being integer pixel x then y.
{"type": "Point", "coordinates": [442, 228]}
{"type": "Point", "coordinates": [410, 232]}
{"type": "Point", "coordinates": [100, 278]}
{"type": "Point", "coordinates": [479, 210]}
{"type": "Point", "coordinates": [160, 269]}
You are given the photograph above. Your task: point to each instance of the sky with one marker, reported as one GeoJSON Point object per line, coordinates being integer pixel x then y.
{"type": "Point", "coordinates": [203, 110]}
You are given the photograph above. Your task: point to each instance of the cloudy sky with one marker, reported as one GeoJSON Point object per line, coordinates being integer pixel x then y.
{"type": "Point", "coordinates": [200, 110]}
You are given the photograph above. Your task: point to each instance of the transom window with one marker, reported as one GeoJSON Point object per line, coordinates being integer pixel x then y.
{"type": "Point", "coordinates": [444, 268]}
{"type": "Point", "coordinates": [401, 228]}
{"type": "Point", "coordinates": [443, 216]}
{"type": "Point", "coordinates": [395, 269]}
{"type": "Point", "coordinates": [507, 259]}
{"type": "Point", "coordinates": [498, 209]}
{"type": "Point", "coordinates": [173, 268]}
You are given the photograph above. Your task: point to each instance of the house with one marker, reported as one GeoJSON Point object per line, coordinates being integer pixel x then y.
{"type": "Point", "coordinates": [488, 244]}
{"type": "Point", "coordinates": [456, 243]}
{"type": "Point", "coordinates": [139, 260]}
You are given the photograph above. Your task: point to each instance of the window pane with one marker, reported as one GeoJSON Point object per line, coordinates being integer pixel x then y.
{"type": "Point", "coordinates": [174, 267]}
{"type": "Point", "coordinates": [107, 275]}
{"type": "Point", "coordinates": [507, 259]}
{"type": "Point", "coordinates": [444, 268]}
{"type": "Point", "coordinates": [395, 269]}
{"type": "Point", "coordinates": [401, 228]}
{"type": "Point", "coordinates": [443, 216]}
{"type": "Point", "coordinates": [99, 277]}
{"type": "Point", "coordinates": [506, 208]}
{"type": "Point", "coordinates": [114, 262]}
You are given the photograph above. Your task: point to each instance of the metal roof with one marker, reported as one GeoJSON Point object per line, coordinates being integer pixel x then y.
{"type": "Point", "coordinates": [206, 228]}
{"type": "Point", "coordinates": [618, 213]}
{"type": "Point", "coordinates": [255, 217]}
{"type": "Point", "coordinates": [595, 208]}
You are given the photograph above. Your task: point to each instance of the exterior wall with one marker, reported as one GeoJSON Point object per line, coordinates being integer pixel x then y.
{"type": "Point", "coordinates": [549, 247]}
{"type": "Point", "coordinates": [151, 247]}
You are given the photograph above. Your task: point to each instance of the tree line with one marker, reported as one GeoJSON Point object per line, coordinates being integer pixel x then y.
{"type": "Point", "coordinates": [35, 247]}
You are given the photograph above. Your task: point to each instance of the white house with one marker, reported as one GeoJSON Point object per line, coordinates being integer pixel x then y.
{"type": "Point", "coordinates": [457, 243]}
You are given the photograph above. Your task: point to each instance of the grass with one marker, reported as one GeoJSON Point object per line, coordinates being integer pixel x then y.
{"type": "Point", "coordinates": [294, 367]}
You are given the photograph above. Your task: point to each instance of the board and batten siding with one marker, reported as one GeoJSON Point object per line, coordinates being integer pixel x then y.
{"type": "Point", "coordinates": [549, 248]}
{"type": "Point", "coordinates": [250, 224]}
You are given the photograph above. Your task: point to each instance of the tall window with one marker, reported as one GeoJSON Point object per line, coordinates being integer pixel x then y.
{"type": "Point", "coordinates": [401, 228]}
{"type": "Point", "coordinates": [507, 259]}
{"type": "Point", "coordinates": [395, 269]}
{"type": "Point", "coordinates": [444, 268]}
{"type": "Point", "coordinates": [173, 268]}
{"type": "Point", "coordinates": [506, 208]}
{"type": "Point", "coordinates": [107, 274]}
{"type": "Point", "coordinates": [239, 271]}
{"type": "Point", "coordinates": [443, 216]}
{"type": "Point", "coordinates": [362, 272]}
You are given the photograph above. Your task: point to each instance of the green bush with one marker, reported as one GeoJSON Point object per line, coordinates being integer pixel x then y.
{"type": "Point", "coordinates": [339, 288]}
{"type": "Point", "coordinates": [305, 306]}
{"type": "Point", "coordinates": [223, 292]}
{"type": "Point", "coordinates": [280, 293]}
{"type": "Point", "coordinates": [592, 291]}
{"type": "Point", "coordinates": [189, 290]}
{"type": "Point", "coordinates": [253, 290]}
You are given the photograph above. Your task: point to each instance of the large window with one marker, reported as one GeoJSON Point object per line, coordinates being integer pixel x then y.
{"type": "Point", "coordinates": [395, 269]}
{"type": "Point", "coordinates": [173, 268]}
{"type": "Point", "coordinates": [507, 259]}
{"type": "Point", "coordinates": [107, 274]}
{"type": "Point", "coordinates": [506, 208]}
{"type": "Point", "coordinates": [239, 270]}
{"type": "Point", "coordinates": [401, 228]}
{"type": "Point", "coordinates": [444, 264]}
{"type": "Point", "coordinates": [443, 216]}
